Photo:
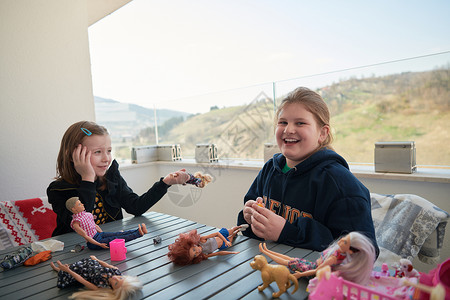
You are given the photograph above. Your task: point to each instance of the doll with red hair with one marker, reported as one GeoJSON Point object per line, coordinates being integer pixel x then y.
{"type": "Point", "coordinates": [192, 248]}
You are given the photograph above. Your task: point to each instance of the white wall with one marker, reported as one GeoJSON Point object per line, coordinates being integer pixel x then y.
{"type": "Point", "coordinates": [45, 85]}
{"type": "Point", "coordinates": [219, 203]}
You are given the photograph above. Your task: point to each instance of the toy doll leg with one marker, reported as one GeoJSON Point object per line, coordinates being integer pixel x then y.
{"type": "Point", "coordinates": [126, 235]}
{"type": "Point", "coordinates": [275, 256]}
{"type": "Point", "coordinates": [233, 231]}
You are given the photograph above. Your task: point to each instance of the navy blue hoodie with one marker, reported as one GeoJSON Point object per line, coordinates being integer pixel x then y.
{"type": "Point", "coordinates": [320, 199]}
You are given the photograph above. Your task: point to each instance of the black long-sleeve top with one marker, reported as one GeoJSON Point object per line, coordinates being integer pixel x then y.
{"type": "Point", "coordinates": [116, 196]}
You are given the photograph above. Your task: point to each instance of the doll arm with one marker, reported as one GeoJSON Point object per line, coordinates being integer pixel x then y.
{"type": "Point", "coordinates": [103, 263]}
{"type": "Point", "coordinates": [80, 231]}
{"type": "Point", "coordinates": [98, 228]}
{"type": "Point", "coordinates": [332, 260]}
{"type": "Point", "coordinates": [219, 253]}
{"type": "Point", "coordinates": [220, 236]}
{"type": "Point", "coordinates": [76, 276]}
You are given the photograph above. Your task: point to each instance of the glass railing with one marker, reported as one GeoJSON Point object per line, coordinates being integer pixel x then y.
{"type": "Point", "coordinates": [403, 100]}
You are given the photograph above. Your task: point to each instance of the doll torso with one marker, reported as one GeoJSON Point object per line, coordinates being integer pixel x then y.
{"type": "Point", "coordinates": [89, 269]}
{"type": "Point", "coordinates": [209, 246]}
{"type": "Point", "coordinates": [86, 221]}
{"type": "Point", "coordinates": [340, 256]}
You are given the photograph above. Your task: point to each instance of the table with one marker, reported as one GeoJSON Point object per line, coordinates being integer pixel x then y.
{"type": "Point", "coordinates": [220, 277]}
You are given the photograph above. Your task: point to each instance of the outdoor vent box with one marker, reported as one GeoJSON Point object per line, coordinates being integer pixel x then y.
{"type": "Point", "coordinates": [269, 150]}
{"type": "Point", "coordinates": [168, 152]}
{"type": "Point", "coordinates": [206, 153]}
{"type": "Point", "coordinates": [142, 154]}
{"type": "Point", "coordinates": [395, 157]}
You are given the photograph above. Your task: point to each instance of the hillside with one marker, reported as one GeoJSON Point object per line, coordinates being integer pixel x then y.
{"type": "Point", "coordinates": [407, 106]}
{"type": "Point", "coordinates": [125, 121]}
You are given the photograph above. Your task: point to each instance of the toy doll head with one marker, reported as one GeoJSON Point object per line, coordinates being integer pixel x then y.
{"type": "Point", "coordinates": [70, 204]}
{"type": "Point", "coordinates": [313, 103]}
{"type": "Point", "coordinates": [130, 286]}
{"type": "Point", "coordinates": [179, 252]}
{"type": "Point", "coordinates": [359, 264]}
{"type": "Point", "coordinates": [205, 179]}
{"type": "Point", "coordinates": [74, 136]}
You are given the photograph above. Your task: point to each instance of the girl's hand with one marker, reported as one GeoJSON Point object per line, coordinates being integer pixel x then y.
{"type": "Point", "coordinates": [248, 209]}
{"type": "Point", "coordinates": [93, 257]}
{"type": "Point", "coordinates": [228, 244]}
{"type": "Point", "coordinates": [82, 163]}
{"type": "Point", "coordinates": [179, 177]}
{"type": "Point", "coordinates": [266, 224]}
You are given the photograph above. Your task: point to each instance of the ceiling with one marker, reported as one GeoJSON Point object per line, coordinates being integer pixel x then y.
{"type": "Point", "coordinates": [98, 9]}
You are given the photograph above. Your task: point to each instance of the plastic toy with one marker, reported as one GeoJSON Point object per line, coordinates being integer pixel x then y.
{"type": "Point", "coordinates": [83, 224]}
{"type": "Point", "coordinates": [406, 269]}
{"type": "Point", "coordinates": [357, 267]}
{"type": "Point", "coordinates": [103, 280]}
{"type": "Point", "coordinates": [199, 180]}
{"type": "Point", "coordinates": [328, 285]}
{"type": "Point", "coordinates": [157, 240]}
{"type": "Point", "coordinates": [270, 273]}
{"type": "Point", "coordinates": [117, 249]}
{"type": "Point", "coordinates": [192, 248]}
{"type": "Point", "coordinates": [437, 276]}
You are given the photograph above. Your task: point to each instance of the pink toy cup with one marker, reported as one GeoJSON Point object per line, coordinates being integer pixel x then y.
{"type": "Point", "coordinates": [117, 249]}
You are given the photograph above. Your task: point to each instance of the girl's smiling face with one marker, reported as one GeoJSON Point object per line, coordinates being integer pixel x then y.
{"type": "Point", "coordinates": [298, 134]}
{"type": "Point", "coordinates": [100, 147]}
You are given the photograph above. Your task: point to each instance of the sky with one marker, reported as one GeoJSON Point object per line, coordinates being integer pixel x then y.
{"type": "Point", "coordinates": [191, 55]}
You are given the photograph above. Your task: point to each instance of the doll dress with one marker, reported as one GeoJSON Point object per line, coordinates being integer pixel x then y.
{"type": "Point", "coordinates": [302, 265]}
{"type": "Point", "coordinates": [89, 269]}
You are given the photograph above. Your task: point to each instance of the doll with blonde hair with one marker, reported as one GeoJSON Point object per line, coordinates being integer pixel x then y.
{"type": "Point", "coordinates": [192, 248]}
{"type": "Point", "coordinates": [103, 280]}
{"type": "Point", "coordinates": [353, 255]}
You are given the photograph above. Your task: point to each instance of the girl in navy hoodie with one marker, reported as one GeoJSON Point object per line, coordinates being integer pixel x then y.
{"type": "Point", "coordinates": [306, 195]}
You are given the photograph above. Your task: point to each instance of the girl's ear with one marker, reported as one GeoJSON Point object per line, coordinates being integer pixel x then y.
{"type": "Point", "coordinates": [324, 132]}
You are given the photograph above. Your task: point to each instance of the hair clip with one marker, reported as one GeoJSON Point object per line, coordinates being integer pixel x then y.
{"type": "Point", "coordinates": [86, 131]}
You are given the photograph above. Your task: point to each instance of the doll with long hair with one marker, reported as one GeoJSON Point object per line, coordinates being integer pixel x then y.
{"type": "Point", "coordinates": [353, 255]}
{"type": "Point", "coordinates": [103, 280]}
{"type": "Point", "coordinates": [192, 248]}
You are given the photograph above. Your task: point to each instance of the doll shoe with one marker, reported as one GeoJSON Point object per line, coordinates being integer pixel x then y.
{"type": "Point", "coordinates": [243, 227]}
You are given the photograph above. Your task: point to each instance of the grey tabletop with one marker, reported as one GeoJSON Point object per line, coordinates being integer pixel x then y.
{"type": "Point", "coordinates": [220, 277]}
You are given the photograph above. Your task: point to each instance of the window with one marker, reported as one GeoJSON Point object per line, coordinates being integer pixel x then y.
{"type": "Point", "coordinates": [406, 100]}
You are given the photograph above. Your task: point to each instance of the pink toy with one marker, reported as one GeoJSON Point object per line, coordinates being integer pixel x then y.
{"type": "Point", "coordinates": [440, 276]}
{"type": "Point", "coordinates": [117, 249]}
{"type": "Point", "coordinates": [330, 286]}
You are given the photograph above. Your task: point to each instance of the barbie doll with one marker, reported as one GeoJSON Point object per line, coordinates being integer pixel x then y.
{"type": "Point", "coordinates": [83, 224]}
{"type": "Point", "coordinates": [192, 248]}
{"type": "Point", "coordinates": [103, 280]}
{"type": "Point", "coordinates": [352, 255]}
